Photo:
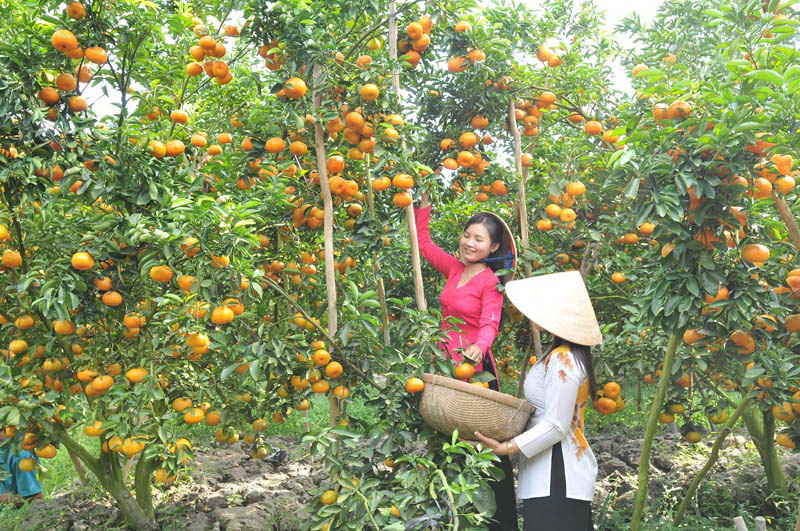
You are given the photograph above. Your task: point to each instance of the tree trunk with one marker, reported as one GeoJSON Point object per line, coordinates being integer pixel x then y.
{"type": "Point", "coordinates": [652, 422]}
{"type": "Point", "coordinates": [712, 458]}
{"type": "Point", "coordinates": [761, 427]}
{"type": "Point", "coordinates": [142, 485]}
{"type": "Point", "coordinates": [107, 471]}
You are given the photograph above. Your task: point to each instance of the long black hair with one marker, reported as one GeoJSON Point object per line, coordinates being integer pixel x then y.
{"type": "Point", "coordinates": [498, 235]}
{"type": "Point", "coordinates": [582, 355]}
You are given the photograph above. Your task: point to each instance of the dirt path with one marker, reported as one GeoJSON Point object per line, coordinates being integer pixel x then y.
{"type": "Point", "coordinates": [230, 491]}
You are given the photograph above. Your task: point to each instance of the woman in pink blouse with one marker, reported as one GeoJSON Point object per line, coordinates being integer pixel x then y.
{"type": "Point", "coordinates": [471, 294]}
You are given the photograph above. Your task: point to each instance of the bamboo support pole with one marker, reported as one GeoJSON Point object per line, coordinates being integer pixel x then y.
{"type": "Point", "coordinates": [376, 267]}
{"type": "Point", "coordinates": [788, 218]}
{"type": "Point", "coordinates": [522, 210]}
{"type": "Point", "coordinates": [416, 264]}
{"type": "Point", "coordinates": [327, 202]}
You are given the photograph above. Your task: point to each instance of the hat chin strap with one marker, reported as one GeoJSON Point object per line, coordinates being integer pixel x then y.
{"type": "Point", "coordinates": [508, 260]}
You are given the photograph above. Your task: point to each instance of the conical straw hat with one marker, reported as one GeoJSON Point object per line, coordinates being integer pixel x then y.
{"type": "Point", "coordinates": [558, 303]}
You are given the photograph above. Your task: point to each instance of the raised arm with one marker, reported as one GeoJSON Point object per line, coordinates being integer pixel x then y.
{"type": "Point", "coordinates": [438, 258]}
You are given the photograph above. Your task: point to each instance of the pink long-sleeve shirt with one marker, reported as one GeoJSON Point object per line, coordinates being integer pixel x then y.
{"type": "Point", "coordinates": [478, 302]}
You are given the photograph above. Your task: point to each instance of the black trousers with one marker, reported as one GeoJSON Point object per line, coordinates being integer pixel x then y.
{"type": "Point", "coordinates": [504, 494]}
{"type": "Point", "coordinates": [557, 512]}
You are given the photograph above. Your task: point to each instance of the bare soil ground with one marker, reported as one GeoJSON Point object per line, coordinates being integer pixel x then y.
{"type": "Point", "coordinates": [230, 491]}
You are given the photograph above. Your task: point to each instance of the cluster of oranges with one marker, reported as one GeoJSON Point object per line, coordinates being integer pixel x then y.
{"type": "Point", "coordinates": [419, 39]}
{"type": "Point", "coordinates": [208, 49]}
{"type": "Point", "coordinates": [609, 399]}
{"type": "Point", "coordinates": [560, 208]}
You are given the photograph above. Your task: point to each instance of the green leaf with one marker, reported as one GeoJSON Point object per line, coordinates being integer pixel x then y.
{"type": "Point", "coordinates": [770, 76]}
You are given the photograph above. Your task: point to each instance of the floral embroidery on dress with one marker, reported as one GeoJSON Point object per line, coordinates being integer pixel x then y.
{"type": "Point", "coordinates": [564, 358]}
{"type": "Point", "coordinates": [578, 439]}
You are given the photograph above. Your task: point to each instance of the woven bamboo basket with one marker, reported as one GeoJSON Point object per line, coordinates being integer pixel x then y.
{"type": "Point", "coordinates": [448, 404]}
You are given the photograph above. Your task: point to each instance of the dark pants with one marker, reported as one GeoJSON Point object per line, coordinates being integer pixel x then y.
{"type": "Point", "coordinates": [557, 512]}
{"type": "Point", "coordinates": [504, 495]}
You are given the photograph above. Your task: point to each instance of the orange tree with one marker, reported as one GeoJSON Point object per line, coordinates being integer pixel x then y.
{"type": "Point", "coordinates": [698, 210]}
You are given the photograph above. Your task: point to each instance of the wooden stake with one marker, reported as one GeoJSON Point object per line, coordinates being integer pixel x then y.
{"type": "Point", "coordinates": [416, 265]}
{"type": "Point", "coordinates": [327, 202]}
{"type": "Point", "coordinates": [376, 266]}
{"type": "Point", "coordinates": [788, 218]}
{"type": "Point", "coordinates": [522, 210]}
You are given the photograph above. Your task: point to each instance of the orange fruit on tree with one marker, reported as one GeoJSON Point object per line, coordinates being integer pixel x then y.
{"type": "Point", "coordinates": [47, 451]}
{"type": "Point", "coordinates": [403, 181]}
{"type": "Point", "coordinates": [457, 64]}
{"type": "Point", "coordinates": [295, 88]}
{"type": "Point", "coordinates": [468, 139]}
{"type": "Point", "coordinates": [66, 82]}
{"type": "Point", "coordinates": [103, 382]}
{"type": "Point", "coordinates": [498, 188]}
{"type": "Point", "coordinates": [321, 357]}
{"type": "Point", "coordinates": [692, 335]}
{"type": "Point", "coordinates": [334, 369]}
{"type": "Point", "coordinates": [194, 415]}
{"type": "Point", "coordinates": [464, 371]}
{"type": "Point", "coordinates": [593, 127]}
{"type": "Point", "coordinates": [320, 386]}
{"type": "Point", "coordinates": [63, 327]}
{"type": "Point", "coordinates": [744, 341]}
{"type": "Point", "coordinates": [575, 188]}
{"type": "Point", "coordinates": [75, 10]}
{"type": "Point", "coordinates": [27, 464]}
{"type": "Point", "coordinates": [402, 199]}
{"type": "Point", "coordinates": [462, 26]}
{"type": "Point", "coordinates": [340, 391]}
{"type": "Point", "coordinates": [136, 374]}
{"type": "Point", "coordinates": [96, 55]}
{"type": "Point", "coordinates": [181, 403]}
{"type": "Point", "coordinates": [617, 278]}
{"type": "Point", "coordinates": [605, 405]}
{"type": "Point", "coordinates": [567, 215]}
{"type": "Point", "coordinates": [369, 92]}
{"type": "Point", "coordinates": [161, 273]}
{"type": "Point", "coordinates": [638, 69]}
{"type": "Point", "coordinates": [415, 30]}
{"type": "Point", "coordinates": [755, 253]}
{"type": "Point", "coordinates": [329, 497]}
{"type": "Point", "coordinates": [64, 40]}
{"type": "Point", "coordinates": [414, 385]}
{"type": "Point", "coordinates": [24, 322]}
{"type": "Point", "coordinates": [179, 116]}
{"type": "Point", "coordinates": [111, 298]}
{"type": "Point", "coordinates": [222, 315]}
{"type": "Point", "coordinates": [611, 390]}
{"type": "Point", "coordinates": [77, 103]}
{"type": "Point", "coordinates": [82, 261]}
{"type": "Point", "coordinates": [275, 145]}
{"type": "Point", "coordinates": [792, 322]}
{"type": "Point", "coordinates": [679, 110]}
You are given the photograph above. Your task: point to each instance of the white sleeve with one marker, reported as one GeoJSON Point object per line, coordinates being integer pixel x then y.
{"type": "Point", "coordinates": [561, 382]}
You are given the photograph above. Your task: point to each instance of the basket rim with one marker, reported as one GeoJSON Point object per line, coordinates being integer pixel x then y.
{"type": "Point", "coordinates": [489, 394]}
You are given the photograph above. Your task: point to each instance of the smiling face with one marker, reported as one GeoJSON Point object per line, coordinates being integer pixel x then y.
{"type": "Point", "coordinates": [475, 243]}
